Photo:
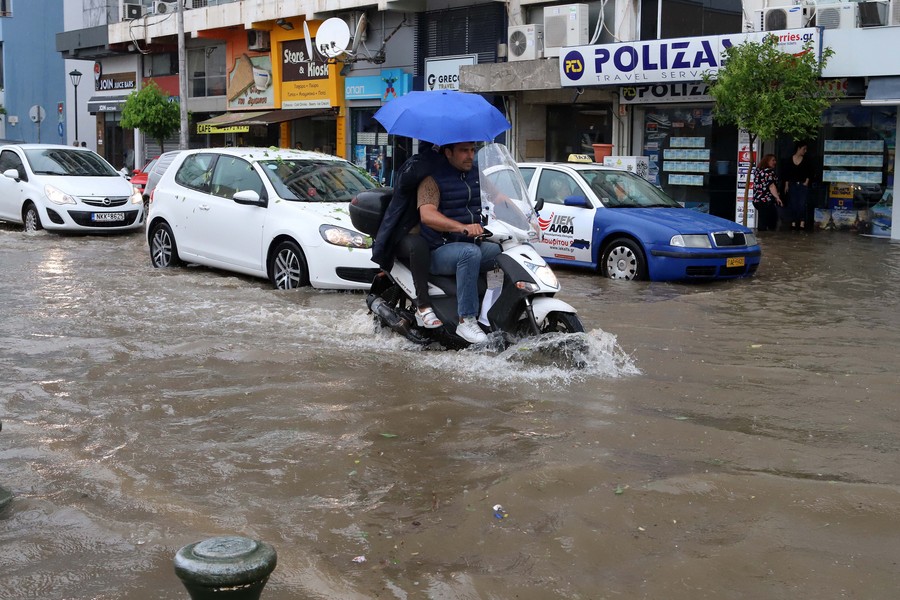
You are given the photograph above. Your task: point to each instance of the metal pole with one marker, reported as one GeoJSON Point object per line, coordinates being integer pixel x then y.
{"type": "Point", "coordinates": [76, 112]}
{"type": "Point", "coordinates": [182, 77]}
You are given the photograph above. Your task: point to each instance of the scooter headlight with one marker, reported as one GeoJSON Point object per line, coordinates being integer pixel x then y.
{"type": "Point", "coordinates": [340, 236]}
{"type": "Point", "coordinates": [544, 274]}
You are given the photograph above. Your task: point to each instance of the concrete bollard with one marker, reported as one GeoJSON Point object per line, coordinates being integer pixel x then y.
{"type": "Point", "coordinates": [225, 568]}
{"type": "Point", "coordinates": [5, 494]}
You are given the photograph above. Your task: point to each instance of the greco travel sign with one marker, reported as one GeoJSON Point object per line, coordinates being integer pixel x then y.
{"type": "Point", "coordinates": [665, 61]}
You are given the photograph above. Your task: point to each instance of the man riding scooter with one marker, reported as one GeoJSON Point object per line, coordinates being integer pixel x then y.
{"type": "Point", "coordinates": [449, 202]}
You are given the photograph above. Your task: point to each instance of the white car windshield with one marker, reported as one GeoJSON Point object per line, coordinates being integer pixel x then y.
{"type": "Point", "coordinates": [316, 180]}
{"type": "Point", "coordinates": [62, 161]}
{"type": "Point", "coordinates": [621, 189]}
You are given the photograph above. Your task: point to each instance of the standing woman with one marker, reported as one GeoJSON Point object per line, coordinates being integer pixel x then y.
{"type": "Point", "coordinates": [796, 175]}
{"type": "Point", "coordinates": [766, 198]}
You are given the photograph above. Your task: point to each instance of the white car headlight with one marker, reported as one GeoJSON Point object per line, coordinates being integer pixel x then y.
{"type": "Point", "coordinates": [340, 236]}
{"type": "Point", "coordinates": [750, 239]}
{"type": "Point", "coordinates": [690, 241]}
{"type": "Point", "coordinates": [136, 196]}
{"type": "Point", "coordinates": [57, 196]}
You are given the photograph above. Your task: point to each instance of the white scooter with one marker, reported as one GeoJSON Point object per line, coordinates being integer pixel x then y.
{"type": "Point", "coordinates": [520, 304]}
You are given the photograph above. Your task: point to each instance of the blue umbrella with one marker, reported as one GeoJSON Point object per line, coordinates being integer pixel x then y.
{"type": "Point", "coordinates": [443, 117]}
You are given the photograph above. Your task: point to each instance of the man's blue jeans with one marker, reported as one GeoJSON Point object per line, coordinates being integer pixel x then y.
{"type": "Point", "coordinates": [466, 261]}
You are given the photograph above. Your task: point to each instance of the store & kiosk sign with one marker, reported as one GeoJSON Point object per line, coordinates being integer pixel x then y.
{"type": "Point", "coordinates": [663, 61]}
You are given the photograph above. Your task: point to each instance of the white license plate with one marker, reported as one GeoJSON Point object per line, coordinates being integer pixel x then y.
{"type": "Point", "coordinates": [108, 216]}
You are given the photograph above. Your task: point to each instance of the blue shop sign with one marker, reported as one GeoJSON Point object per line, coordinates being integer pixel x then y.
{"type": "Point", "coordinates": [387, 86]}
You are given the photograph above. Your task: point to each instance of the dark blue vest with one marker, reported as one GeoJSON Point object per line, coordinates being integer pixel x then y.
{"type": "Point", "coordinates": [460, 201]}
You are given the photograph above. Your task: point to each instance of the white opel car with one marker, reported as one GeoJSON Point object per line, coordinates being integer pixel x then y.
{"type": "Point", "coordinates": [48, 186]}
{"type": "Point", "coordinates": [272, 213]}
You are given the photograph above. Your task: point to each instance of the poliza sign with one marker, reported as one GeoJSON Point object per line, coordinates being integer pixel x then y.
{"type": "Point", "coordinates": [665, 61]}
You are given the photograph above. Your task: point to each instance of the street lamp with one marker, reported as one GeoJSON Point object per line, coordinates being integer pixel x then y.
{"type": "Point", "coordinates": [75, 76]}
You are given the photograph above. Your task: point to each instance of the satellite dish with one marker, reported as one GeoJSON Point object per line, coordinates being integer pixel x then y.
{"type": "Point", "coordinates": [308, 40]}
{"type": "Point", "coordinates": [359, 34]}
{"type": "Point", "coordinates": [333, 37]}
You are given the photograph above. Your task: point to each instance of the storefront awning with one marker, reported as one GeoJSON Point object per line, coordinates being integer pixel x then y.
{"type": "Point", "coordinates": [882, 91]}
{"type": "Point", "coordinates": [263, 118]}
{"type": "Point", "coordinates": [106, 104]}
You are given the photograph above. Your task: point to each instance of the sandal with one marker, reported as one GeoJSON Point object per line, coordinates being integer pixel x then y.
{"type": "Point", "coordinates": [427, 319]}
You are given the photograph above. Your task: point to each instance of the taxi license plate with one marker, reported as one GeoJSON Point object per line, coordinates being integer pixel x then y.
{"type": "Point", "coordinates": [116, 216]}
{"type": "Point", "coordinates": [737, 261]}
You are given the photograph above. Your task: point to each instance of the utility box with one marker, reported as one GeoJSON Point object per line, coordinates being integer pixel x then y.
{"type": "Point", "coordinates": [639, 165]}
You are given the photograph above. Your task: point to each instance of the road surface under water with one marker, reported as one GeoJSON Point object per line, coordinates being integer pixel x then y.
{"type": "Point", "coordinates": [728, 440]}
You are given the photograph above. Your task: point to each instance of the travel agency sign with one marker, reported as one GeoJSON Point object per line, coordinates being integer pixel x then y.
{"type": "Point", "coordinates": [666, 61]}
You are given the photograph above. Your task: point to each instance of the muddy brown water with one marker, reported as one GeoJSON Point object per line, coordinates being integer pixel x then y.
{"type": "Point", "coordinates": [730, 440]}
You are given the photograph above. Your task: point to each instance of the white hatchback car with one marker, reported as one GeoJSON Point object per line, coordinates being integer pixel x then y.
{"type": "Point", "coordinates": [267, 212]}
{"type": "Point", "coordinates": [48, 186]}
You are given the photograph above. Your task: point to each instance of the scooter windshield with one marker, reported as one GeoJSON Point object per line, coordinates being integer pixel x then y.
{"type": "Point", "coordinates": [504, 195]}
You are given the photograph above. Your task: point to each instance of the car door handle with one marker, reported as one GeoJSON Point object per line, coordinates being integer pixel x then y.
{"type": "Point", "coordinates": [203, 207]}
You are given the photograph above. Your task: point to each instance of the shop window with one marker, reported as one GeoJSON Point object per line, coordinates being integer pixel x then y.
{"type": "Point", "coordinates": [854, 178]}
{"type": "Point", "coordinates": [575, 129]}
{"type": "Point", "coordinates": [160, 65]}
{"type": "Point", "coordinates": [470, 30]}
{"type": "Point", "coordinates": [206, 71]}
{"type": "Point", "coordinates": [688, 18]}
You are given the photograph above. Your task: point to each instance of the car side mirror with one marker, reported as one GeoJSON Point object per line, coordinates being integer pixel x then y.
{"type": "Point", "coordinates": [248, 197]}
{"type": "Point", "coordinates": [539, 205]}
{"type": "Point", "coordinates": [12, 174]}
{"type": "Point", "coordinates": [580, 201]}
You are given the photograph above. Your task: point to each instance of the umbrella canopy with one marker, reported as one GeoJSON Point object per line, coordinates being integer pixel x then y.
{"type": "Point", "coordinates": [443, 117]}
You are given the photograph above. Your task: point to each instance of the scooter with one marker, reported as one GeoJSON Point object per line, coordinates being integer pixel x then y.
{"type": "Point", "coordinates": [518, 302]}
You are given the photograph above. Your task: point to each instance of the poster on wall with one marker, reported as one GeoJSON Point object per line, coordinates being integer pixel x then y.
{"type": "Point", "coordinates": [746, 159]}
{"type": "Point", "coordinates": [250, 83]}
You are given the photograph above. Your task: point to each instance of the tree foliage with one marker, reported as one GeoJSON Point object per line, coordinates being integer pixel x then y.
{"type": "Point", "coordinates": [767, 92]}
{"type": "Point", "coordinates": [150, 111]}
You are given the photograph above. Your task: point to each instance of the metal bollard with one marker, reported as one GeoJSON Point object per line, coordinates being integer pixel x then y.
{"type": "Point", "coordinates": [5, 494]}
{"type": "Point", "coordinates": [225, 568]}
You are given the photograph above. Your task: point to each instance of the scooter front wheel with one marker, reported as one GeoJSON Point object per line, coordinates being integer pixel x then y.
{"type": "Point", "coordinates": [561, 322]}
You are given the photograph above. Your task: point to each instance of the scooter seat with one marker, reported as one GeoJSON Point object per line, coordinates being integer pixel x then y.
{"type": "Point", "coordinates": [447, 283]}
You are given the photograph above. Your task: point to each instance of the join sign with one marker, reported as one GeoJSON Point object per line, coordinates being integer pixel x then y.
{"type": "Point", "coordinates": [665, 61]}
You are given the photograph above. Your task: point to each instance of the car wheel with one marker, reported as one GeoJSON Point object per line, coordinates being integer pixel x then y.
{"type": "Point", "coordinates": [561, 322]}
{"type": "Point", "coordinates": [31, 218]}
{"type": "Point", "coordinates": [287, 267]}
{"type": "Point", "coordinates": [624, 259]}
{"type": "Point", "coordinates": [163, 251]}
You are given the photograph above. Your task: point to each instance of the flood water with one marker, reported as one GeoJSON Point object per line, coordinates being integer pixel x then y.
{"type": "Point", "coordinates": [729, 440]}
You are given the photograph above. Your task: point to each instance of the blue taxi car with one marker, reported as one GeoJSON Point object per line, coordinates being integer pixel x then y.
{"type": "Point", "coordinates": [613, 221]}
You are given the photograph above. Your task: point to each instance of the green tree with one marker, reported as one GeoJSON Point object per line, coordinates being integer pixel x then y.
{"type": "Point", "coordinates": [150, 111]}
{"type": "Point", "coordinates": [767, 92]}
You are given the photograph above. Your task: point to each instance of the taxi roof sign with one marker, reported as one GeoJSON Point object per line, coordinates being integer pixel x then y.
{"type": "Point", "coordinates": [580, 158]}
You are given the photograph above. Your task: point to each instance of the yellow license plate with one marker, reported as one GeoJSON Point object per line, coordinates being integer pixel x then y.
{"type": "Point", "coordinates": [737, 261]}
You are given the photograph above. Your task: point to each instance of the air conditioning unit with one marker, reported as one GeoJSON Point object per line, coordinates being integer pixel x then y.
{"type": "Point", "coordinates": [164, 8]}
{"type": "Point", "coordinates": [565, 26]}
{"type": "Point", "coordinates": [837, 16]}
{"type": "Point", "coordinates": [258, 40]}
{"type": "Point", "coordinates": [132, 11]}
{"type": "Point", "coordinates": [776, 19]}
{"type": "Point", "coordinates": [525, 42]}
